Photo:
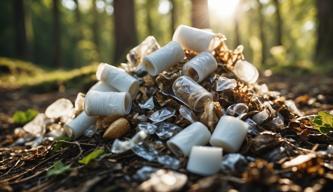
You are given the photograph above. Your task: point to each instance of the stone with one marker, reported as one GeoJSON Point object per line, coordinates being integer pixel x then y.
{"type": "Point", "coordinates": [61, 108]}
{"type": "Point", "coordinates": [37, 126]}
{"type": "Point", "coordinates": [117, 129]}
{"type": "Point", "coordinates": [164, 181]}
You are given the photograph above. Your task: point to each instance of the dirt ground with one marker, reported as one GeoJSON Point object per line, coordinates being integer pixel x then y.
{"type": "Point", "coordinates": [312, 93]}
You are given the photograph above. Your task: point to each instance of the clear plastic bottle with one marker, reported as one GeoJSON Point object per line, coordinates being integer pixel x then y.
{"type": "Point", "coordinates": [193, 94]}
{"type": "Point", "coordinates": [136, 55]}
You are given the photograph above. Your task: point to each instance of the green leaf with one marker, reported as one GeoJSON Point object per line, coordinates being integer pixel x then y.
{"type": "Point", "coordinates": [91, 156]}
{"type": "Point", "coordinates": [22, 117]}
{"type": "Point", "coordinates": [325, 129]}
{"type": "Point", "coordinates": [59, 143]}
{"type": "Point", "coordinates": [317, 120]}
{"type": "Point", "coordinates": [326, 118]}
{"type": "Point", "coordinates": [323, 122]}
{"type": "Point", "coordinates": [58, 168]}
{"type": "Point", "coordinates": [63, 138]}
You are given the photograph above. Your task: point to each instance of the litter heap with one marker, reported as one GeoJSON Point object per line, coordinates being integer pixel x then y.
{"type": "Point", "coordinates": [182, 105]}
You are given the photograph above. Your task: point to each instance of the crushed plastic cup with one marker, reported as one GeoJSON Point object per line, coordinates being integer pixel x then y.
{"type": "Point", "coordinates": [246, 71]}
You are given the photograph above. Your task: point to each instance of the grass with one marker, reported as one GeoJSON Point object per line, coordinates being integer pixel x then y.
{"type": "Point", "coordinates": [20, 74]}
{"type": "Point", "coordinates": [15, 66]}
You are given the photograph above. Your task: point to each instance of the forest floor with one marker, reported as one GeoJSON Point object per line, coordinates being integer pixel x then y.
{"type": "Point", "coordinates": [27, 168]}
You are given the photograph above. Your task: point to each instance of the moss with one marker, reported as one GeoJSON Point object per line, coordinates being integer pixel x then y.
{"type": "Point", "coordinates": [20, 74]}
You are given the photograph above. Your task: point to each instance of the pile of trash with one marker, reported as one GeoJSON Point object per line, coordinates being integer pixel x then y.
{"type": "Point", "coordinates": [192, 103]}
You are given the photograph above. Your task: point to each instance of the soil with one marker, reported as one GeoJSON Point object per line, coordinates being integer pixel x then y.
{"type": "Point", "coordinates": [24, 169]}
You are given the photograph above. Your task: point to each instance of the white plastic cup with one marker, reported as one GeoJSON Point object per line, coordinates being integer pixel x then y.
{"type": "Point", "coordinates": [229, 133]}
{"type": "Point", "coordinates": [195, 134]}
{"type": "Point", "coordinates": [101, 86]}
{"type": "Point", "coordinates": [117, 78]}
{"type": "Point", "coordinates": [77, 126]}
{"type": "Point", "coordinates": [163, 58]}
{"type": "Point", "coordinates": [107, 103]}
{"type": "Point", "coordinates": [194, 39]}
{"type": "Point", "coordinates": [201, 66]}
{"type": "Point", "coordinates": [205, 160]}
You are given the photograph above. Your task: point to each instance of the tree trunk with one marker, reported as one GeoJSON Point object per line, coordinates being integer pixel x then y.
{"type": "Point", "coordinates": [78, 19]}
{"type": "Point", "coordinates": [262, 32]}
{"type": "Point", "coordinates": [20, 30]}
{"type": "Point", "coordinates": [237, 32]}
{"type": "Point", "coordinates": [149, 5]}
{"type": "Point", "coordinates": [324, 48]}
{"type": "Point", "coordinates": [199, 14]}
{"type": "Point", "coordinates": [125, 28]}
{"type": "Point", "coordinates": [78, 36]}
{"type": "Point", "coordinates": [29, 28]}
{"type": "Point", "coordinates": [173, 16]}
{"type": "Point", "coordinates": [95, 27]}
{"type": "Point", "coordinates": [56, 55]}
{"type": "Point", "coordinates": [278, 21]}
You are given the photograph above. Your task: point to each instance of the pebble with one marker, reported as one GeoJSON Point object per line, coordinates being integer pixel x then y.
{"type": "Point", "coordinates": [117, 129]}
{"type": "Point", "coordinates": [61, 108]}
{"type": "Point", "coordinates": [163, 181]}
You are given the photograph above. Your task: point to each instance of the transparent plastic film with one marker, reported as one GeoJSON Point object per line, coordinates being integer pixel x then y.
{"type": "Point", "coordinates": [147, 46]}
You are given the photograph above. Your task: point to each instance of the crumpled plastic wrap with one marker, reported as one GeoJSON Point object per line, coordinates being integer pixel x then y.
{"type": "Point", "coordinates": [162, 115]}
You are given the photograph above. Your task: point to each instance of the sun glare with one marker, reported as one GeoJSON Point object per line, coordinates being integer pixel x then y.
{"type": "Point", "coordinates": [223, 8]}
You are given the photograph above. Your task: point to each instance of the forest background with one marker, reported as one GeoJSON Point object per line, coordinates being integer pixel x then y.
{"type": "Point", "coordinates": [56, 34]}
